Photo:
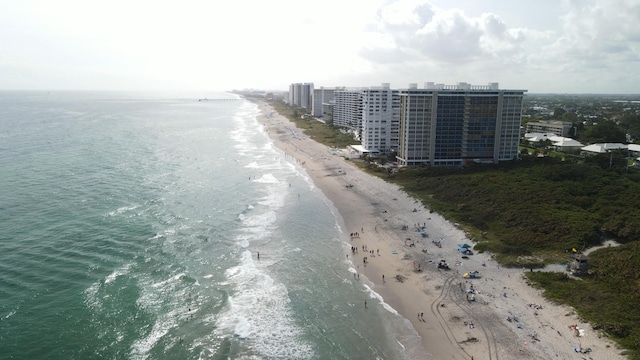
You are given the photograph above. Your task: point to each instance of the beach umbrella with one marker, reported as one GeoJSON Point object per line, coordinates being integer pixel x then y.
{"type": "Point", "coordinates": [464, 246]}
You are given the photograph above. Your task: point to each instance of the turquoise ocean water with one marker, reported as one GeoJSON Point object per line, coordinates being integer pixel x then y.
{"type": "Point", "coordinates": [129, 229]}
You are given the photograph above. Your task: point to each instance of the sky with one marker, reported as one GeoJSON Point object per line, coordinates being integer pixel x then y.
{"type": "Point", "coordinates": [543, 46]}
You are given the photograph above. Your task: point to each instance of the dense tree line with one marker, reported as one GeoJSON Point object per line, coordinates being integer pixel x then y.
{"type": "Point", "coordinates": [539, 208]}
{"type": "Point", "coordinates": [603, 132]}
{"type": "Point", "coordinates": [630, 122]}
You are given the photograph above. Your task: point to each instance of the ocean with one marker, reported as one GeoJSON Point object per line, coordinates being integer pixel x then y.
{"type": "Point", "coordinates": [130, 228]}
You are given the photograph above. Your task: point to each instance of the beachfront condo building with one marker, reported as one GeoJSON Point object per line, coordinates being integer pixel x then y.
{"type": "Point", "coordinates": [371, 114]}
{"type": "Point", "coordinates": [300, 95]}
{"type": "Point", "coordinates": [380, 119]}
{"type": "Point", "coordinates": [347, 110]}
{"type": "Point", "coordinates": [322, 97]}
{"type": "Point", "coordinates": [455, 125]}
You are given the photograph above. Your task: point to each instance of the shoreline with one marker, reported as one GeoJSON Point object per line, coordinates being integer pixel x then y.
{"type": "Point", "coordinates": [451, 326]}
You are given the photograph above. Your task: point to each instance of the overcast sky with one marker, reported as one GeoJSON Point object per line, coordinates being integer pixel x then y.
{"type": "Point", "coordinates": [580, 46]}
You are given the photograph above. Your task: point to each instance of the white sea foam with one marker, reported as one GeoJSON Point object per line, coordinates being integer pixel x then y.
{"type": "Point", "coordinates": [168, 281]}
{"type": "Point", "coordinates": [255, 227]}
{"type": "Point", "coordinates": [259, 313]}
{"type": "Point", "coordinates": [155, 298]}
{"type": "Point", "coordinates": [10, 314]}
{"type": "Point", "coordinates": [267, 179]}
{"type": "Point", "coordinates": [169, 232]}
{"type": "Point", "coordinates": [91, 294]}
{"type": "Point", "coordinates": [121, 271]}
{"type": "Point", "coordinates": [374, 295]}
{"type": "Point", "coordinates": [122, 210]}
{"type": "Point", "coordinates": [274, 199]}
{"type": "Point", "coordinates": [259, 222]}
{"type": "Point", "coordinates": [141, 347]}
{"type": "Point", "coordinates": [407, 337]}
{"type": "Point", "coordinates": [245, 123]}
{"type": "Point", "coordinates": [91, 299]}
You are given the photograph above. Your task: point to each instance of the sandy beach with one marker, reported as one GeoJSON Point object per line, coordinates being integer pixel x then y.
{"type": "Point", "coordinates": [494, 316]}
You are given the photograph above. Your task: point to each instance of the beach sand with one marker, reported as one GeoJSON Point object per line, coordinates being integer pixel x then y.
{"type": "Point", "coordinates": [385, 218]}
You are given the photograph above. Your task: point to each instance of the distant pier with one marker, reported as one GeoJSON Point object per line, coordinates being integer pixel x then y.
{"type": "Point", "coordinates": [220, 99]}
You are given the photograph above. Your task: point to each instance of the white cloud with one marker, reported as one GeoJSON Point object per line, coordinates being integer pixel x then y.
{"type": "Point", "coordinates": [607, 30]}
{"type": "Point", "coordinates": [447, 36]}
{"type": "Point", "coordinates": [450, 37]}
{"type": "Point", "coordinates": [542, 45]}
{"type": "Point", "coordinates": [595, 43]}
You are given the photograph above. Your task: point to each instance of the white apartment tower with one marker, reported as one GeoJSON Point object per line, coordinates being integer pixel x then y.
{"type": "Point", "coordinates": [380, 119]}
{"type": "Point", "coordinates": [300, 95]}
{"type": "Point", "coordinates": [372, 114]}
{"type": "Point", "coordinates": [347, 111]}
{"type": "Point", "coordinates": [453, 125]}
{"type": "Point", "coordinates": [322, 96]}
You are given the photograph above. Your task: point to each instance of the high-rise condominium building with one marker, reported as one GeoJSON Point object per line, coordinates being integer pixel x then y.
{"type": "Point", "coordinates": [300, 95]}
{"type": "Point", "coordinates": [347, 111]}
{"type": "Point", "coordinates": [450, 125]}
{"type": "Point", "coordinates": [372, 114]}
{"type": "Point", "coordinates": [380, 119]}
{"type": "Point", "coordinates": [321, 97]}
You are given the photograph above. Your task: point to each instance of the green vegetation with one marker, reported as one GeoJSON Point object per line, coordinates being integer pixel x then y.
{"type": "Point", "coordinates": [323, 133]}
{"type": "Point", "coordinates": [532, 212]}
{"type": "Point", "coordinates": [604, 132]}
{"type": "Point", "coordinates": [607, 297]}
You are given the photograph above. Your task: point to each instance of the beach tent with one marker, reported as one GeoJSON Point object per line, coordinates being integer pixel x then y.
{"type": "Point", "coordinates": [464, 246]}
{"type": "Point", "coordinates": [471, 274]}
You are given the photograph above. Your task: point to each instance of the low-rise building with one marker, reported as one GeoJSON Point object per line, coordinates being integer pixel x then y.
{"type": "Point", "coordinates": [559, 128]}
{"type": "Point", "coordinates": [602, 148]}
